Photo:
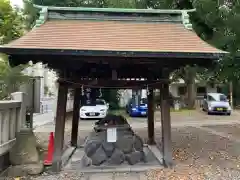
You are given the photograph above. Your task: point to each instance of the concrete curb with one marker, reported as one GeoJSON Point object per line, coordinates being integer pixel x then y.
{"type": "Point", "coordinates": [118, 170]}
{"type": "Point", "coordinates": [67, 155]}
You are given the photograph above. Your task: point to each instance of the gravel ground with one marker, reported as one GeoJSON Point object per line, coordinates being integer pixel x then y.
{"type": "Point", "coordinates": [233, 130]}
{"type": "Point", "coordinates": [43, 138]}
{"type": "Point", "coordinates": [202, 154]}
{"type": "Point", "coordinates": [198, 155]}
{"type": "Point", "coordinates": [186, 115]}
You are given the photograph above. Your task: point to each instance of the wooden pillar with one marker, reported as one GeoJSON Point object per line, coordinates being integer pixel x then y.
{"type": "Point", "coordinates": [59, 127]}
{"type": "Point", "coordinates": [231, 93]}
{"type": "Point", "coordinates": [166, 126]}
{"type": "Point", "coordinates": [75, 118]}
{"type": "Point", "coordinates": [151, 108]}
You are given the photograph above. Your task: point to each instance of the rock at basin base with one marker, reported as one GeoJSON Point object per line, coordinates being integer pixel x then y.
{"type": "Point", "coordinates": [91, 147]}
{"type": "Point", "coordinates": [125, 143]}
{"type": "Point", "coordinates": [138, 143]}
{"type": "Point", "coordinates": [108, 148]}
{"type": "Point", "coordinates": [117, 157]}
{"type": "Point", "coordinates": [134, 157]}
{"type": "Point", "coordinates": [99, 157]}
{"type": "Point", "coordinates": [128, 146]}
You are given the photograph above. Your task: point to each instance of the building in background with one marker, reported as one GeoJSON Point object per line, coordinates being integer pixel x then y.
{"type": "Point", "coordinates": [177, 90]}
{"type": "Point", "coordinates": [47, 78]}
{"type": "Point", "coordinates": [42, 89]}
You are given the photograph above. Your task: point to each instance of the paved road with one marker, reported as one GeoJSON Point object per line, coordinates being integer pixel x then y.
{"type": "Point", "coordinates": [195, 119]}
{"type": "Point", "coordinates": [43, 119]}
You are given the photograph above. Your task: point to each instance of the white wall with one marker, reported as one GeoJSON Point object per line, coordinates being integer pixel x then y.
{"type": "Point", "coordinates": [211, 89]}
{"type": "Point", "coordinates": [124, 97]}
{"type": "Point", "coordinates": [127, 94]}
{"type": "Point", "coordinates": [48, 77]}
{"type": "Point", "coordinates": [173, 88]}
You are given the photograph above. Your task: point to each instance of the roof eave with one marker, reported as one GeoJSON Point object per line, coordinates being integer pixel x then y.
{"type": "Point", "coordinates": [33, 51]}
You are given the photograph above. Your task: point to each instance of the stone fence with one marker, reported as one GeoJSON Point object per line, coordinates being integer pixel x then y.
{"type": "Point", "coordinates": [12, 119]}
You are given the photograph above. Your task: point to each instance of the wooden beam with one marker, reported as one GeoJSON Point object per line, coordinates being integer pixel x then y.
{"type": "Point", "coordinates": [59, 127]}
{"type": "Point", "coordinates": [109, 83]}
{"type": "Point", "coordinates": [166, 126]}
{"type": "Point", "coordinates": [62, 61]}
{"type": "Point", "coordinates": [75, 118]}
{"type": "Point", "coordinates": [114, 74]}
{"type": "Point", "coordinates": [151, 139]}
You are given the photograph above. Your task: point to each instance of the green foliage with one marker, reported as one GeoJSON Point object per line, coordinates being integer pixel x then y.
{"type": "Point", "coordinates": [94, 3]}
{"type": "Point", "coordinates": [140, 4]}
{"type": "Point", "coordinates": [30, 14]}
{"type": "Point", "coordinates": [157, 99]}
{"type": "Point", "coordinates": [10, 78]}
{"type": "Point", "coordinates": [11, 28]}
{"type": "Point", "coordinates": [216, 22]}
{"type": "Point", "coordinates": [112, 97]}
{"type": "Point", "coordinates": [10, 22]}
{"type": "Point", "coordinates": [70, 3]}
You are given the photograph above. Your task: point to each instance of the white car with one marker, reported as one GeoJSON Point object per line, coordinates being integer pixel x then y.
{"type": "Point", "coordinates": [97, 111]}
{"type": "Point", "coordinates": [216, 103]}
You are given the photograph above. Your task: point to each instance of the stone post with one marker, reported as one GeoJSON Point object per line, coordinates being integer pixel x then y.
{"type": "Point", "coordinates": [20, 96]}
{"type": "Point", "coordinates": [55, 101]}
{"type": "Point", "coordinates": [37, 94]}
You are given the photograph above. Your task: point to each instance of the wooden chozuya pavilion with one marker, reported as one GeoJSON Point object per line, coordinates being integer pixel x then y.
{"type": "Point", "coordinates": [102, 47]}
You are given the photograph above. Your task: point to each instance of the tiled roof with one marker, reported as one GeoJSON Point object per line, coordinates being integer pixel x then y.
{"type": "Point", "coordinates": [113, 36]}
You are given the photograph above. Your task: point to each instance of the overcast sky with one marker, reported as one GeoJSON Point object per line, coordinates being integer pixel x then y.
{"type": "Point", "coordinates": [18, 3]}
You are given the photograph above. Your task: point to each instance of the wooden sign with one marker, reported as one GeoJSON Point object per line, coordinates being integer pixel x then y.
{"type": "Point", "coordinates": [112, 135]}
{"type": "Point", "coordinates": [90, 95]}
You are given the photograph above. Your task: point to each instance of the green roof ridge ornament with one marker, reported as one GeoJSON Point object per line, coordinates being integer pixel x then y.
{"type": "Point", "coordinates": [185, 19]}
{"type": "Point", "coordinates": [43, 16]}
{"type": "Point", "coordinates": [117, 10]}
{"type": "Point", "coordinates": [44, 12]}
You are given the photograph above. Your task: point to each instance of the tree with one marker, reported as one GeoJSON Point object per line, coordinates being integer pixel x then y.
{"type": "Point", "coordinates": [10, 78]}
{"type": "Point", "coordinates": [215, 21]}
{"type": "Point", "coordinates": [187, 73]}
{"type": "Point", "coordinates": [30, 14]}
{"type": "Point", "coordinates": [10, 22]}
{"type": "Point", "coordinates": [112, 97]}
{"type": "Point", "coordinates": [11, 27]}
{"type": "Point", "coordinates": [94, 3]}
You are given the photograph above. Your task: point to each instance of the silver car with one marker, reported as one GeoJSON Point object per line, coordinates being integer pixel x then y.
{"type": "Point", "coordinates": [216, 103]}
